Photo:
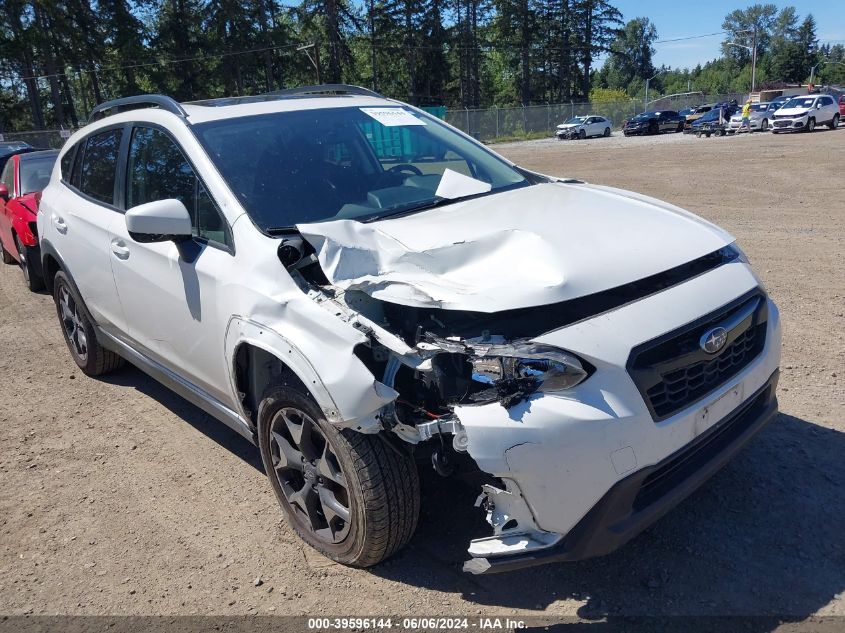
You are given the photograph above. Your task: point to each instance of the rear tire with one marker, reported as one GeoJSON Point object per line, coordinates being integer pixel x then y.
{"type": "Point", "coordinates": [834, 122]}
{"type": "Point", "coordinates": [606, 132]}
{"type": "Point", "coordinates": [78, 329]}
{"type": "Point", "coordinates": [350, 496]}
{"type": "Point", "coordinates": [32, 280]}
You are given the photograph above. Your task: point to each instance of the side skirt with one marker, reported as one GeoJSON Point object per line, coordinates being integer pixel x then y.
{"type": "Point", "coordinates": [177, 384]}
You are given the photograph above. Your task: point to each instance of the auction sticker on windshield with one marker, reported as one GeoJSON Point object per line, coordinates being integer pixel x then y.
{"type": "Point", "coordinates": [390, 117]}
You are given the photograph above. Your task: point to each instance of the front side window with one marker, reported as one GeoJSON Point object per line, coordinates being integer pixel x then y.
{"type": "Point", "coordinates": [97, 171]}
{"type": "Point", "coordinates": [157, 170]}
{"type": "Point", "coordinates": [355, 163]}
{"type": "Point", "coordinates": [35, 173]}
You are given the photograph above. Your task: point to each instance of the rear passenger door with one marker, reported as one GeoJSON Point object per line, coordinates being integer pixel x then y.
{"type": "Point", "coordinates": [80, 218]}
{"type": "Point", "coordinates": [170, 292]}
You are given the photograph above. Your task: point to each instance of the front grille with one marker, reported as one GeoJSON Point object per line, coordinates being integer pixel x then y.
{"type": "Point", "coordinates": [673, 371]}
{"type": "Point", "coordinates": [689, 460]}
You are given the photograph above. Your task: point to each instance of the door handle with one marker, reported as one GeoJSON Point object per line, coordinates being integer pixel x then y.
{"type": "Point", "coordinates": [59, 221]}
{"type": "Point", "coordinates": [120, 250]}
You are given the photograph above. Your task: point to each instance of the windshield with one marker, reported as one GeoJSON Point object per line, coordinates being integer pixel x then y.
{"type": "Point", "coordinates": [799, 103]}
{"type": "Point", "coordinates": [645, 115]}
{"type": "Point", "coordinates": [312, 165]}
{"type": "Point", "coordinates": [759, 107]}
{"type": "Point", "coordinates": [35, 173]}
{"type": "Point", "coordinates": [576, 120]}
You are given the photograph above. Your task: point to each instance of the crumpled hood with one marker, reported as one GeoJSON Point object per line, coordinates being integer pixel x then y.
{"type": "Point", "coordinates": [521, 248]}
{"type": "Point", "coordinates": [568, 126]}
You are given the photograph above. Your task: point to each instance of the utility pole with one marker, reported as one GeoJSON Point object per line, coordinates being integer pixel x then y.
{"type": "Point", "coordinates": [754, 61]}
{"type": "Point", "coordinates": [315, 61]}
{"type": "Point", "coordinates": [373, 41]}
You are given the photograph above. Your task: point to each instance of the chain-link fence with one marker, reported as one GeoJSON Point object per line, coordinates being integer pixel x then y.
{"type": "Point", "coordinates": [45, 139]}
{"type": "Point", "coordinates": [488, 124]}
{"type": "Point", "coordinates": [501, 123]}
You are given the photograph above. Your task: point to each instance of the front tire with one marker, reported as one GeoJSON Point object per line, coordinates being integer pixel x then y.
{"type": "Point", "coordinates": [77, 327]}
{"type": "Point", "coordinates": [764, 125]}
{"type": "Point", "coordinates": [582, 134]}
{"type": "Point", "coordinates": [350, 496]}
{"type": "Point", "coordinates": [32, 280]}
{"type": "Point", "coordinates": [811, 125]}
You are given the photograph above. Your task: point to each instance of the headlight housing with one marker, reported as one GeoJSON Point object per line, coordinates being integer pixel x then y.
{"type": "Point", "coordinates": [513, 372]}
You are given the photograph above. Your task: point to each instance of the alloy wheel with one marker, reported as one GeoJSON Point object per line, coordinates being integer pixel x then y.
{"type": "Point", "coordinates": [309, 474]}
{"type": "Point", "coordinates": [73, 324]}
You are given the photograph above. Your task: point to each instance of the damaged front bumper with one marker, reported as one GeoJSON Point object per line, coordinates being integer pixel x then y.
{"type": "Point", "coordinates": [576, 464]}
{"type": "Point", "coordinates": [642, 498]}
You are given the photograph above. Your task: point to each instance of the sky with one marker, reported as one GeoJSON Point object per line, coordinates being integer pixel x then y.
{"type": "Point", "coordinates": [682, 19]}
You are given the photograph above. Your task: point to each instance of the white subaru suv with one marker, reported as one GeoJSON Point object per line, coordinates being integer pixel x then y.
{"type": "Point", "coordinates": [358, 289]}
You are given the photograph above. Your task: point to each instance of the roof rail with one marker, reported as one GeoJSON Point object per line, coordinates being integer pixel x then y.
{"type": "Point", "coordinates": [161, 101]}
{"type": "Point", "coordinates": [341, 89]}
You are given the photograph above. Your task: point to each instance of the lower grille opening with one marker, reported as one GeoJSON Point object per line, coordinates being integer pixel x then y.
{"type": "Point", "coordinates": [688, 461]}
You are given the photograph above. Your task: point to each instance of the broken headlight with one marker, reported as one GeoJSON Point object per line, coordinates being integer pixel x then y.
{"type": "Point", "coordinates": [514, 372]}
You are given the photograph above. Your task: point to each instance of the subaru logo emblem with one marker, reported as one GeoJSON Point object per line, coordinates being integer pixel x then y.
{"type": "Point", "coordinates": [713, 340]}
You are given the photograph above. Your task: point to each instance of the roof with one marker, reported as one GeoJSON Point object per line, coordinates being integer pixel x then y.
{"type": "Point", "coordinates": [228, 109]}
{"type": "Point", "coordinates": [302, 98]}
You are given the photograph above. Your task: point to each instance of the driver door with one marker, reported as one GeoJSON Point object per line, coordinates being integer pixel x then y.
{"type": "Point", "coordinates": [172, 293]}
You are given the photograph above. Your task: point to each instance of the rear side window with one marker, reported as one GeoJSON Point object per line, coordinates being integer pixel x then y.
{"type": "Point", "coordinates": [99, 162]}
{"type": "Point", "coordinates": [158, 170]}
{"type": "Point", "coordinates": [35, 173]}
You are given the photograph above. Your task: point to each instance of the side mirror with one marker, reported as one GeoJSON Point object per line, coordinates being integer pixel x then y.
{"type": "Point", "coordinates": [4, 192]}
{"type": "Point", "coordinates": [159, 221]}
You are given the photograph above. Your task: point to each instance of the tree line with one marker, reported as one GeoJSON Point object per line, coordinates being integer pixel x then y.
{"type": "Point", "coordinates": [59, 59]}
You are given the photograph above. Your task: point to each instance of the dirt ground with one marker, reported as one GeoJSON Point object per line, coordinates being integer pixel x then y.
{"type": "Point", "coordinates": [118, 497]}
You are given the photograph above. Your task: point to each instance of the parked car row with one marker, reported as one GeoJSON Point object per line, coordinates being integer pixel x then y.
{"type": "Point", "coordinates": [362, 291]}
{"type": "Point", "coordinates": [783, 114]}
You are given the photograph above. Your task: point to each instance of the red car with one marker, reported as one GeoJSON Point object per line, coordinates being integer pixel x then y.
{"type": "Point", "coordinates": [842, 105]}
{"type": "Point", "coordinates": [21, 183]}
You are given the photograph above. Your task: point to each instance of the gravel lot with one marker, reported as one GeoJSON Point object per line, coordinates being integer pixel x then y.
{"type": "Point", "coordinates": [118, 497]}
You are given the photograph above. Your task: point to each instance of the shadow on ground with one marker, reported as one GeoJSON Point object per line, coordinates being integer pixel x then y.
{"type": "Point", "coordinates": [196, 417]}
{"type": "Point", "coordinates": [762, 538]}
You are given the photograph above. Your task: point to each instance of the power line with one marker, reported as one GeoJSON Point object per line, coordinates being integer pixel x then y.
{"type": "Point", "coordinates": [690, 37]}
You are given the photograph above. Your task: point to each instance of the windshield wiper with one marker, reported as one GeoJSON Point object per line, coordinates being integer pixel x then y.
{"type": "Point", "coordinates": [440, 202]}
{"type": "Point", "coordinates": [281, 230]}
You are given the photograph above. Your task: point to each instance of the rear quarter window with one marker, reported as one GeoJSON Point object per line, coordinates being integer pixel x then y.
{"type": "Point", "coordinates": [99, 163]}
{"type": "Point", "coordinates": [66, 164]}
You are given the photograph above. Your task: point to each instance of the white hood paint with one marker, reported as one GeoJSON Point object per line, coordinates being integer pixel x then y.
{"type": "Point", "coordinates": [793, 112]}
{"type": "Point", "coordinates": [527, 247]}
